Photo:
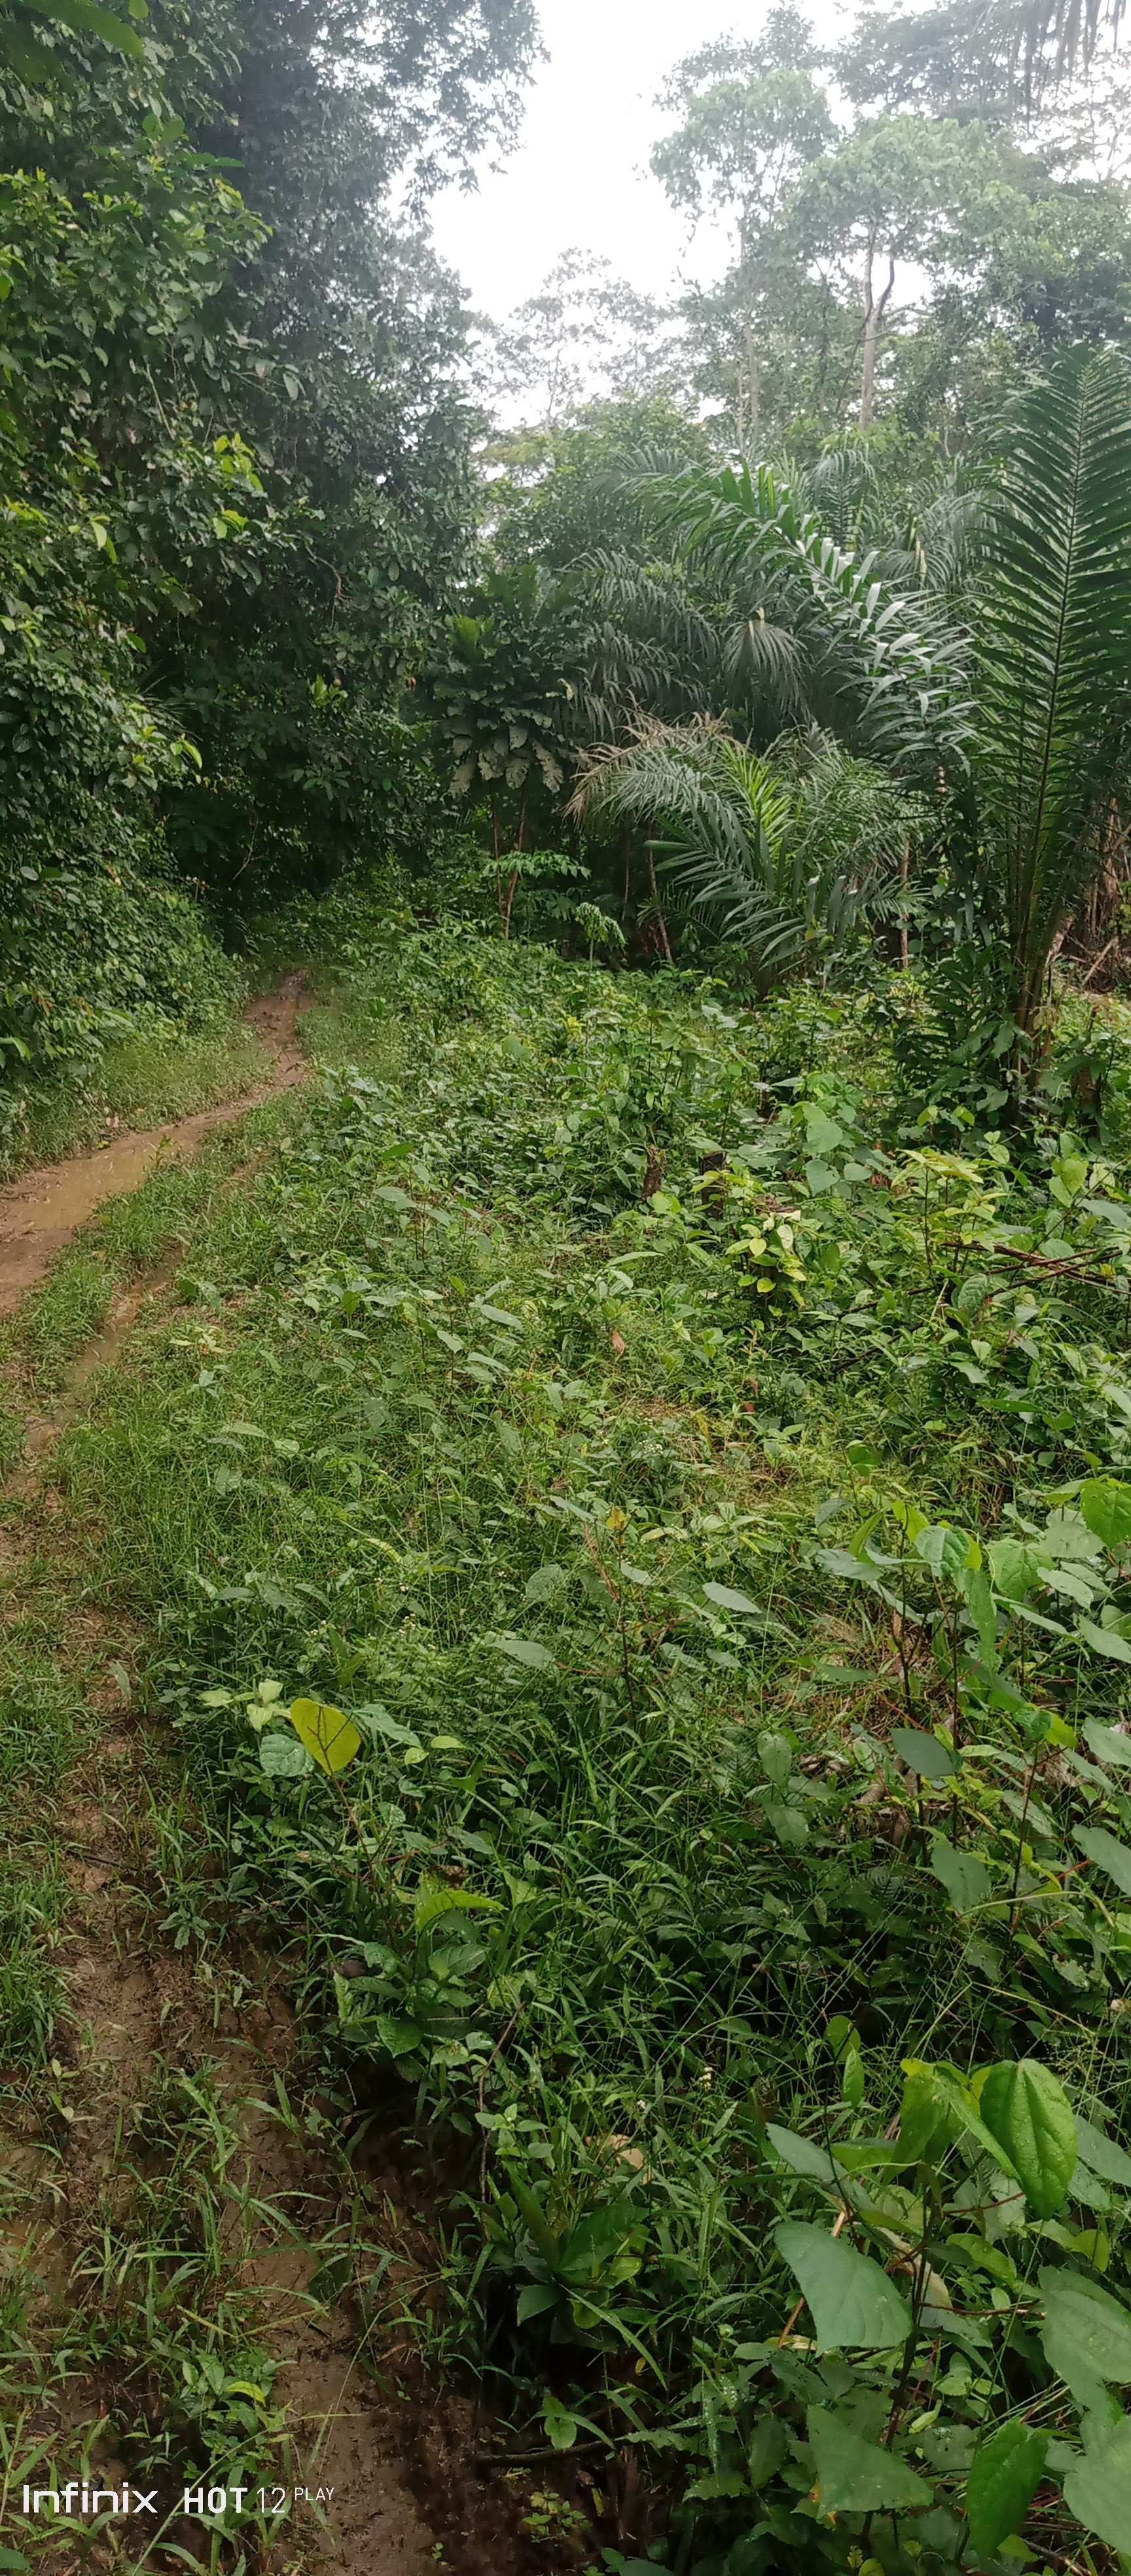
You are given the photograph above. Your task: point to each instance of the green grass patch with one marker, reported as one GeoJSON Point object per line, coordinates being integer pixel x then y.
{"type": "Point", "coordinates": [722, 1569]}
{"type": "Point", "coordinates": [59, 1319]}
{"type": "Point", "coordinates": [40, 1723]}
{"type": "Point", "coordinates": [138, 1082]}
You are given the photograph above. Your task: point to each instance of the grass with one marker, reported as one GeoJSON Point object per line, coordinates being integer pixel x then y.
{"type": "Point", "coordinates": [139, 1081]}
{"type": "Point", "coordinates": [40, 1730]}
{"type": "Point", "coordinates": [593, 1489]}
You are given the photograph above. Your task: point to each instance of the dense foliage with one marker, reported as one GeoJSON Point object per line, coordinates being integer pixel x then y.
{"type": "Point", "coordinates": [636, 1555]}
{"type": "Point", "coordinates": [234, 452]}
{"type": "Point", "coordinates": [630, 1514]}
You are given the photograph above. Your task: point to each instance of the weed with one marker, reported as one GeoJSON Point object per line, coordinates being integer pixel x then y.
{"type": "Point", "coordinates": [659, 1683]}
{"type": "Point", "coordinates": [137, 1081]}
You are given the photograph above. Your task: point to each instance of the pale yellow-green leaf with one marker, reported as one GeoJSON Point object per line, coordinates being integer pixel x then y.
{"type": "Point", "coordinates": [330, 1737]}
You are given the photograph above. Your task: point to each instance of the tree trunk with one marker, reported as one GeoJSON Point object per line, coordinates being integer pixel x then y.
{"type": "Point", "coordinates": [666, 943]}
{"type": "Point", "coordinates": [752, 378]}
{"type": "Point", "coordinates": [873, 317]}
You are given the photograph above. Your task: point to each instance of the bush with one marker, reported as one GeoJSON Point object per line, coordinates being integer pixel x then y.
{"type": "Point", "coordinates": [96, 941]}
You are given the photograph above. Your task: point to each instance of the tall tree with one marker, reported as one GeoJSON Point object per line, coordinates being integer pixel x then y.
{"type": "Point", "coordinates": [752, 122]}
{"type": "Point", "coordinates": [330, 348]}
{"type": "Point", "coordinates": [963, 58]}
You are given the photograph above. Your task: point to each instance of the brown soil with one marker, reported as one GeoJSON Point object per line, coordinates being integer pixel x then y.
{"type": "Point", "coordinates": [41, 1211]}
{"type": "Point", "coordinates": [406, 2479]}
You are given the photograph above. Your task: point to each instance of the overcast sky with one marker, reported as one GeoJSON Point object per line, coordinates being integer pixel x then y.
{"type": "Point", "coordinates": [580, 176]}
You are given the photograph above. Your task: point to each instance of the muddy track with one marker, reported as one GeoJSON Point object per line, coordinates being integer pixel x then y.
{"type": "Point", "coordinates": [41, 1210]}
{"type": "Point", "coordinates": [402, 2471]}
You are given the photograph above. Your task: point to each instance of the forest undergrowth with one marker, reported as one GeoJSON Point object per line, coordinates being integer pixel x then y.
{"type": "Point", "coordinates": [628, 1542]}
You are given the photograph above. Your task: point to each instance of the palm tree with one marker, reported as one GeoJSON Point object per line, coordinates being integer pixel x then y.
{"type": "Point", "coordinates": [1050, 757]}
{"type": "Point", "coordinates": [1009, 707]}
{"type": "Point", "coordinates": [789, 852]}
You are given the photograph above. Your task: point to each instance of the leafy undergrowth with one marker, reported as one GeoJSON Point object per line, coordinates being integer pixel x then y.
{"type": "Point", "coordinates": [637, 1557]}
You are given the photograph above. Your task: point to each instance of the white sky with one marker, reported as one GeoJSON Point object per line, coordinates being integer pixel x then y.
{"type": "Point", "coordinates": [580, 176]}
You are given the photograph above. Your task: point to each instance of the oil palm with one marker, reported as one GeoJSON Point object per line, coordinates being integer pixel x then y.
{"type": "Point", "coordinates": [789, 852]}
{"type": "Point", "coordinates": [1052, 658]}
{"type": "Point", "coordinates": [1009, 705]}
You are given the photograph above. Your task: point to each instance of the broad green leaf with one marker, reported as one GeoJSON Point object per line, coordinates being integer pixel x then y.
{"type": "Point", "coordinates": [536, 2300]}
{"type": "Point", "coordinates": [1002, 2484]}
{"type": "Point", "coordinates": [86, 17]}
{"type": "Point", "coordinates": [282, 1758]}
{"type": "Point", "coordinates": [545, 1583]}
{"type": "Point", "coordinates": [1102, 2155]}
{"type": "Point", "coordinates": [523, 1650]}
{"type": "Point", "coordinates": [854, 2476]}
{"type": "Point", "coordinates": [33, 62]}
{"type": "Point", "coordinates": [1029, 2114]}
{"type": "Point", "coordinates": [433, 1903]}
{"type": "Point", "coordinates": [790, 1825]}
{"type": "Point", "coordinates": [1069, 1538]}
{"type": "Point", "coordinates": [1098, 2491]}
{"type": "Point", "coordinates": [1104, 1641]}
{"type": "Point", "coordinates": [822, 1135]}
{"type": "Point", "coordinates": [944, 1550]}
{"type": "Point", "coordinates": [923, 1753]}
{"type": "Point", "coordinates": [721, 1594]}
{"type": "Point", "coordinates": [853, 2304]}
{"type": "Point", "coordinates": [836, 1560]}
{"type": "Point", "coordinates": [854, 2084]}
{"type": "Point", "coordinates": [966, 1879]}
{"type": "Point", "coordinates": [766, 2448]}
{"type": "Point", "coordinates": [775, 1753]}
{"type": "Point", "coordinates": [1016, 1569]}
{"type": "Point", "coordinates": [1106, 1508]}
{"type": "Point", "coordinates": [399, 2037]}
{"type": "Point", "coordinates": [802, 2155]}
{"type": "Point", "coordinates": [961, 2098]}
{"type": "Point", "coordinates": [924, 2111]}
{"type": "Point", "coordinates": [330, 1737]}
{"type": "Point", "coordinates": [1086, 2334]}
{"type": "Point", "coordinates": [1107, 1744]}
{"type": "Point", "coordinates": [379, 1722]}
{"type": "Point", "coordinates": [1108, 1853]}
{"type": "Point", "coordinates": [560, 2424]}
{"type": "Point", "coordinates": [1072, 1172]}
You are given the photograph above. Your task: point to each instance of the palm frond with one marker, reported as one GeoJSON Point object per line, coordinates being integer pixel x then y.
{"type": "Point", "coordinates": [762, 665]}
{"type": "Point", "coordinates": [789, 853]}
{"type": "Point", "coordinates": [898, 666]}
{"type": "Point", "coordinates": [1054, 649]}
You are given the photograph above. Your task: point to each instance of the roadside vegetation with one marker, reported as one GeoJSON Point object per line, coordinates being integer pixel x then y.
{"type": "Point", "coordinates": [651, 1661]}
{"type": "Point", "coordinates": [566, 1869]}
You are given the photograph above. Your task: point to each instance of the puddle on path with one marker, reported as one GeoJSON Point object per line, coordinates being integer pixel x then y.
{"type": "Point", "coordinates": [41, 1211]}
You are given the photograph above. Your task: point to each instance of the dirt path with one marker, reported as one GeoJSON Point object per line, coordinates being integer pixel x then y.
{"type": "Point", "coordinates": [404, 2483]}
{"type": "Point", "coordinates": [41, 1211]}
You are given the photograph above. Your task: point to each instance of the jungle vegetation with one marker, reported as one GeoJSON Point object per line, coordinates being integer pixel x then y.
{"type": "Point", "coordinates": [623, 1521]}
